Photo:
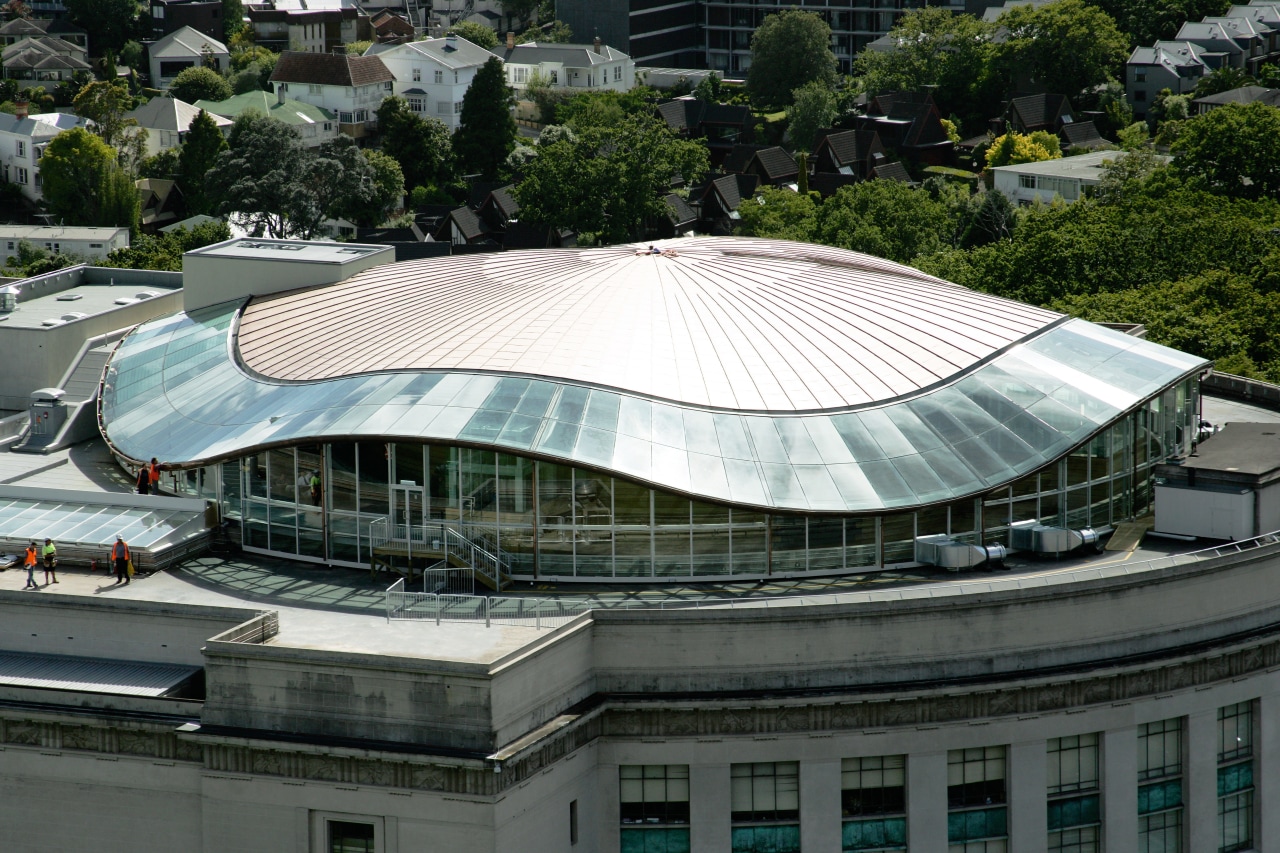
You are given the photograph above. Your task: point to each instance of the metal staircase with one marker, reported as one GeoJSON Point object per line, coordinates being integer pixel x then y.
{"type": "Point", "coordinates": [437, 540]}
{"type": "Point", "coordinates": [81, 383]}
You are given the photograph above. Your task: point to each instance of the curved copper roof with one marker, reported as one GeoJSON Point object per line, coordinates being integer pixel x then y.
{"type": "Point", "coordinates": [726, 323]}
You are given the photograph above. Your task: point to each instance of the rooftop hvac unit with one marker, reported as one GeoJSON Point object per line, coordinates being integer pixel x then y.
{"type": "Point", "coordinates": [1044, 539]}
{"type": "Point", "coordinates": [8, 299]}
{"type": "Point", "coordinates": [951, 554]}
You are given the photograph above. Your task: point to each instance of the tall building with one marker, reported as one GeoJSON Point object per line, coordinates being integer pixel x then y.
{"type": "Point", "coordinates": [722, 409]}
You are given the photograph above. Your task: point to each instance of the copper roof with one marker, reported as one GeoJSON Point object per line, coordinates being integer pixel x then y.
{"type": "Point", "coordinates": [729, 323]}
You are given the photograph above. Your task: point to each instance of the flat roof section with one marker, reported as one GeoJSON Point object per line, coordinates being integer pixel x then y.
{"type": "Point", "coordinates": [293, 251]}
{"type": "Point", "coordinates": [90, 300]}
{"type": "Point", "coordinates": [92, 675]}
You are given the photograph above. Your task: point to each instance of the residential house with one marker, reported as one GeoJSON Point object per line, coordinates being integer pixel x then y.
{"type": "Point", "coordinates": [1256, 39]}
{"type": "Point", "coordinates": [680, 220]}
{"type": "Point", "coordinates": [895, 171]}
{"type": "Point", "coordinates": [391, 28]}
{"type": "Point", "coordinates": [167, 120]}
{"type": "Point", "coordinates": [1173, 65]}
{"type": "Point", "coordinates": [1068, 178]}
{"type": "Point", "coordinates": [182, 49]}
{"type": "Point", "coordinates": [280, 26]}
{"type": "Point", "coordinates": [432, 75]}
{"type": "Point", "coordinates": [1242, 95]}
{"type": "Point", "coordinates": [20, 28]}
{"type": "Point", "coordinates": [350, 87]}
{"type": "Point", "coordinates": [1082, 134]}
{"type": "Point", "coordinates": [846, 152]}
{"type": "Point", "coordinates": [205, 16]}
{"type": "Point", "coordinates": [44, 60]}
{"type": "Point", "coordinates": [1219, 41]}
{"type": "Point", "coordinates": [22, 142]}
{"type": "Point", "coordinates": [720, 126]}
{"type": "Point", "coordinates": [315, 125]}
{"type": "Point", "coordinates": [160, 203]}
{"type": "Point", "coordinates": [1031, 113]}
{"type": "Point", "coordinates": [462, 227]}
{"type": "Point", "coordinates": [909, 123]}
{"type": "Point", "coordinates": [566, 66]}
{"type": "Point", "coordinates": [93, 244]}
{"type": "Point", "coordinates": [773, 165]}
{"type": "Point", "coordinates": [717, 201]}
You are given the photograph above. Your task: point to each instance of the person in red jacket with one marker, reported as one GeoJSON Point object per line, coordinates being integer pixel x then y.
{"type": "Point", "coordinates": [120, 559]}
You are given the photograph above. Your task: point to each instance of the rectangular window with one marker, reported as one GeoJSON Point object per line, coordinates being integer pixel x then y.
{"type": "Point", "coordinates": [457, 107]}
{"type": "Point", "coordinates": [1074, 818]}
{"type": "Point", "coordinates": [1160, 749]}
{"type": "Point", "coordinates": [555, 77]}
{"type": "Point", "coordinates": [874, 802]}
{"type": "Point", "coordinates": [22, 148]}
{"type": "Point", "coordinates": [520, 74]}
{"type": "Point", "coordinates": [417, 75]}
{"type": "Point", "coordinates": [415, 104]}
{"type": "Point", "coordinates": [654, 793]}
{"type": "Point", "coordinates": [444, 107]}
{"type": "Point", "coordinates": [344, 118]}
{"type": "Point", "coordinates": [1235, 777]}
{"type": "Point", "coordinates": [350, 837]}
{"type": "Point", "coordinates": [1073, 764]}
{"type": "Point", "coordinates": [1140, 76]}
{"type": "Point", "coordinates": [1027, 182]}
{"type": "Point", "coordinates": [314, 89]}
{"type": "Point", "coordinates": [22, 176]}
{"type": "Point", "coordinates": [573, 822]}
{"type": "Point", "coordinates": [975, 777]}
{"type": "Point", "coordinates": [617, 73]}
{"type": "Point", "coordinates": [874, 785]}
{"type": "Point", "coordinates": [437, 77]}
{"type": "Point", "coordinates": [764, 792]}
{"type": "Point", "coordinates": [1160, 833]}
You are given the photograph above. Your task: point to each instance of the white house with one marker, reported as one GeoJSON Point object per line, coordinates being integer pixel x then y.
{"type": "Point", "coordinates": [1068, 177]}
{"type": "Point", "coordinates": [167, 120]}
{"type": "Point", "coordinates": [22, 142]}
{"type": "Point", "coordinates": [574, 66]}
{"type": "Point", "coordinates": [182, 49]}
{"type": "Point", "coordinates": [434, 74]}
{"type": "Point", "coordinates": [92, 244]}
{"type": "Point", "coordinates": [350, 87]}
{"type": "Point", "coordinates": [315, 125]}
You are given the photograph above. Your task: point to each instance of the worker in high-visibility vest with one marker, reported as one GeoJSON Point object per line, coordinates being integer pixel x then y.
{"type": "Point", "coordinates": [30, 562]}
{"type": "Point", "coordinates": [120, 559]}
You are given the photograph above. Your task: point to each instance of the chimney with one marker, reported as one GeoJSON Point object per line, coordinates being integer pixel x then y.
{"type": "Point", "coordinates": [597, 44]}
{"type": "Point", "coordinates": [21, 107]}
{"type": "Point", "coordinates": [511, 40]}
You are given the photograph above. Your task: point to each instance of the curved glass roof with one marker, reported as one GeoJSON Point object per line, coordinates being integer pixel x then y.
{"type": "Point", "coordinates": [728, 323]}
{"type": "Point", "coordinates": [174, 391]}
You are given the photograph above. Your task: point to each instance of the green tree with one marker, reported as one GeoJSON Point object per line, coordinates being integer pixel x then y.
{"type": "Point", "coordinates": [884, 218]}
{"type": "Point", "coordinates": [163, 164]}
{"type": "Point", "coordinates": [422, 147]}
{"type": "Point", "coordinates": [199, 153]}
{"type": "Point", "coordinates": [83, 184]}
{"type": "Point", "coordinates": [813, 108]}
{"type": "Point", "coordinates": [256, 180]}
{"type": "Point", "coordinates": [112, 22]}
{"type": "Point", "coordinates": [1146, 21]}
{"type": "Point", "coordinates": [932, 47]}
{"type": "Point", "coordinates": [607, 180]}
{"type": "Point", "coordinates": [1014, 147]}
{"type": "Point", "coordinates": [1064, 46]}
{"type": "Point", "coordinates": [477, 34]}
{"type": "Point", "coordinates": [232, 17]}
{"type": "Point", "coordinates": [1234, 150]}
{"type": "Point", "coordinates": [388, 191]}
{"type": "Point", "coordinates": [588, 109]}
{"type": "Point", "coordinates": [788, 50]}
{"type": "Point", "coordinates": [1221, 80]}
{"type": "Point", "coordinates": [780, 214]}
{"type": "Point", "coordinates": [520, 10]}
{"type": "Point", "coordinates": [133, 56]}
{"type": "Point", "coordinates": [105, 103]}
{"type": "Point", "coordinates": [198, 83]}
{"type": "Point", "coordinates": [1134, 136]}
{"type": "Point", "coordinates": [165, 251]}
{"type": "Point", "coordinates": [486, 130]}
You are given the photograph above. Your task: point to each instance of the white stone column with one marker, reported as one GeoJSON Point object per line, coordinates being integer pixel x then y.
{"type": "Point", "coordinates": [1200, 786]}
{"type": "Point", "coordinates": [709, 805]}
{"type": "Point", "coordinates": [1026, 774]}
{"type": "Point", "coordinates": [927, 801]}
{"type": "Point", "coordinates": [820, 805]}
{"type": "Point", "coordinates": [609, 814]}
{"type": "Point", "coordinates": [1266, 775]}
{"type": "Point", "coordinates": [1120, 789]}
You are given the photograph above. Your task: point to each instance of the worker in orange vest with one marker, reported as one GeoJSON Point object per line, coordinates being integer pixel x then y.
{"type": "Point", "coordinates": [120, 559]}
{"type": "Point", "coordinates": [154, 473]}
{"type": "Point", "coordinates": [30, 562]}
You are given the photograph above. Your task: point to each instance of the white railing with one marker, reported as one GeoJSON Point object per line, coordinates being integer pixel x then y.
{"type": "Point", "coordinates": [439, 607]}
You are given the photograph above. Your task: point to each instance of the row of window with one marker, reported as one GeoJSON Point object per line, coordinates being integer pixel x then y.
{"type": "Point", "coordinates": [437, 76]}
{"type": "Point", "coordinates": [765, 797]}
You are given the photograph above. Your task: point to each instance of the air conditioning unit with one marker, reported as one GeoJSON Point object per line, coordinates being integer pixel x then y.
{"type": "Point", "coordinates": [952, 554]}
{"type": "Point", "coordinates": [1046, 539]}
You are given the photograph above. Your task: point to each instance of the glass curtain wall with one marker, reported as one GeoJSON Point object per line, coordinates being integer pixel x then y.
{"type": "Point", "coordinates": [552, 520]}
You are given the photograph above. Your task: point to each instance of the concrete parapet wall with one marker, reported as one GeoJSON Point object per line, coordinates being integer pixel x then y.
{"type": "Point", "coordinates": [115, 629]}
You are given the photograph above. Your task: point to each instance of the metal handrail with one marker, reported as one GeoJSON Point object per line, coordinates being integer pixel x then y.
{"type": "Point", "coordinates": [492, 564]}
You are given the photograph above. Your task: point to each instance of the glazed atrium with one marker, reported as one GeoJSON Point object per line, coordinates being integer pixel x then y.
{"type": "Point", "coordinates": [721, 407]}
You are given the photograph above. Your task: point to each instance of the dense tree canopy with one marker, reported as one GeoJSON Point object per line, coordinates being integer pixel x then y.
{"type": "Point", "coordinates": [486, 130]}
{"type": "Point", "coordinates": [105, 103]}
{"type": "Point", "coordinates": [110, 23]}
{"type": "Point", "coordinates": [198, 155]}
{"type": "Point", "coordinates": [198, 83]}
{"type": "Point", "coordinates": [1015, 147]}
{"type": "Point", "coordinates": [1233, 149]}
{"type": "Point", "coordinates": [1065, 47]}
{"type": "Point", "coordinates": [814, 108]}
{"type": "Point", "coordinates": [788, 50]}
{"type": "Point", "coordinates": [607, 180]}
{"type": "Point", "coordinates": [83, 184]}
{"type": "Point", "coordinates": [257, 178]}
{"type": "Point", "coordinates": [164, 251]}
{"type": "Point", "coordinates": [422, 147]}
{"type": "Point", "coordinates": [935, 48]}
{"type": "Point", "coordinates": [1146, 21]}
{"type": "Point", "coordinates": [477, 34]}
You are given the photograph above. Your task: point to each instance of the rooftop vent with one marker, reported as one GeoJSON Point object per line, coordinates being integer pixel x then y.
{"type": "Point", "coordinates": [128, 300]}
{"type": "Point", "coordinates": [145, 294]}
{"type": "Point", "coordinates": [70, 297]}
{"type": "Point", "coordinates": [53, 321]}
{"type": "Point", "coordinates": [73, 315]}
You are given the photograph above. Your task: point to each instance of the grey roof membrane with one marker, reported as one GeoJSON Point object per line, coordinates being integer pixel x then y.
{"type": "Point", "coordinates": [91, 675]}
